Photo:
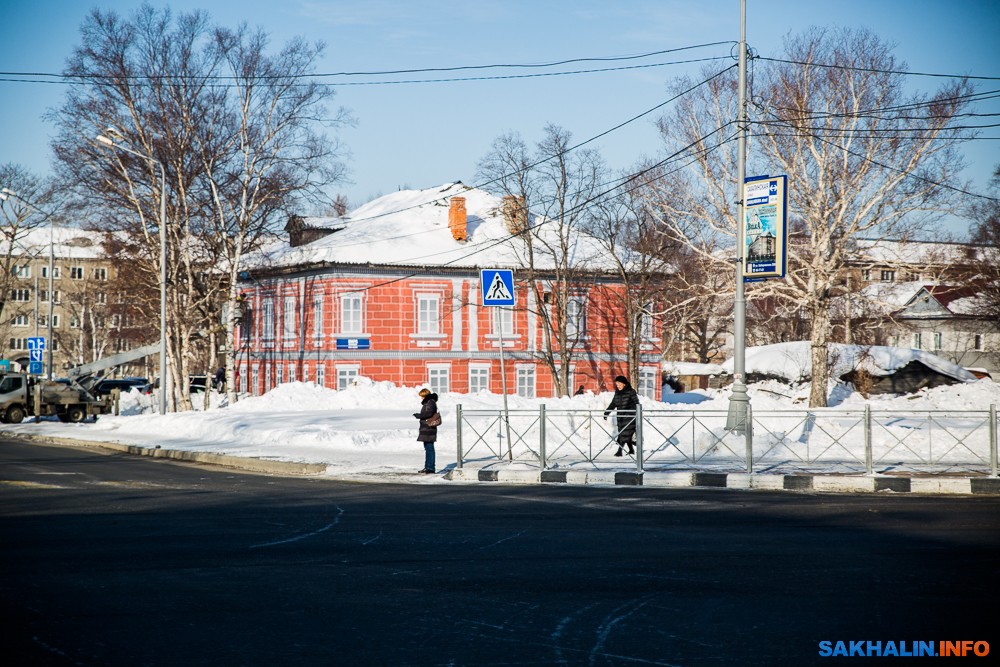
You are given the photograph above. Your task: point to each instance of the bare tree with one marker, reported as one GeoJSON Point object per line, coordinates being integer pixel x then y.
{"type": "Point", "coordinates": [557, 184]}
{"type": "Point", "coordinates": [863, 160]}
{"type": "Point", "coordinates": [226, 121]}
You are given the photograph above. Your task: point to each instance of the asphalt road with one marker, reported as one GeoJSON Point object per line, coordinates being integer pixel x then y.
{"type": "Point", "coordinates": [108, 559]}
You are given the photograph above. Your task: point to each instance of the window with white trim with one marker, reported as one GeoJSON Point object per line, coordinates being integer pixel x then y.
{"type": "Point", "coordinates": [502, 321]}
{"type": "Point", "coordinates": [352, 313]}
{"type": "Point", "coordinates": [76, 272]}
{"type": "Point", "coordinates": [977, 342]}
{"type": "Point", "coordinates": [938, 340]}
{"type": "Point", "coordinates": [439, 378]}
{"type": "Point", "coordinates": [479, 378]}
{"type": "Point", "coordinates": [280, 373]}
{"type": "Point", "coordinates": [56, 273]}
{"type": "Point", "coordinates": [291, 372]}
{"type": "Point", "coordinates": [321, 374]}
{"type": "Point", "coordinates": [288, 316]}
{"type": "Point", "coordinates": [100, 273]}
{"type": "Point", "coordinates": [887, 276]}
{"type": "Point", "coordinates": [575, 321]}
{"type": "Point", "coordinates": [22, 295]}
{"type": "Point", "coordinates": [525, 380]}
{"type": "Point", "coordinates": [21, 271]}
{"type": "Point", "coordinates": [255, 380]}
{"type": "Point", "coordinates": [267, 319]}
{"type": "Point", "coordinates": [347, 375]}
{"type": "Point", "coordinates": [21, 321]}
{"type": "Point", "coordinates": [646, 322]}
{"type": "Point", "coordinates": [317, 313]}
{"type": "Point", "coordinates": [648, 382]}
{"type": "Point", "coordinates": [918, 340]}
{"type": "Point", "coordinates": [428, 314]}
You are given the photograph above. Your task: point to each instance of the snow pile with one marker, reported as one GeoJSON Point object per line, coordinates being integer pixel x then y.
{"type": "Point", "coordinates": [792, 361]}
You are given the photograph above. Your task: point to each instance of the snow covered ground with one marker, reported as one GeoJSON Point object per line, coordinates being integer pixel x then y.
{"type": "Point", "coordinates": [369, 428]}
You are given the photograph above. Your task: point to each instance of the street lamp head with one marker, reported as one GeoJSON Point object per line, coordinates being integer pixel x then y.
{"type": "Point", "coordinates": [104, 140]}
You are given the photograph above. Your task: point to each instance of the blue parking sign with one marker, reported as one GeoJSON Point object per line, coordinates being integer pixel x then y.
{"type": "Point", "coordinates": [36, 367]}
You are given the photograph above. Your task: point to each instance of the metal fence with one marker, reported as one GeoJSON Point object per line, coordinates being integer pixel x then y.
{"type": "Point", "coordinates": [794, 441]}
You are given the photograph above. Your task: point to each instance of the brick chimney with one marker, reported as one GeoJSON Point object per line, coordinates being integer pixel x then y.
{"type": "Point", "coordinates": [515, 217]}
{"type": "Point", "coordinates": [457, 218]}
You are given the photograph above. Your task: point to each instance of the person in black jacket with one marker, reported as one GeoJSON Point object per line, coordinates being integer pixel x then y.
{"type": "Point", "coordinates": [625, 402]}
{"type": "Point", "coordinates": [427, 434]}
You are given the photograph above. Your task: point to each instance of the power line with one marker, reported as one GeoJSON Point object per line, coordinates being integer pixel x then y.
{"type": "Point", "coordinates": [880, 71]}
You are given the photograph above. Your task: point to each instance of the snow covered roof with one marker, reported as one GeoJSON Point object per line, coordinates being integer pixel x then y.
{"type": "Point", "coordinates": [916, 252]}
{"type": "Point", "coordinates": [67, 243]}
{"type": "Point", "coordinates": [690, 368]}
{"type": "Point", "coordinates": [410, 228]}
{"type": "Point", "coordinates": [792, 361]}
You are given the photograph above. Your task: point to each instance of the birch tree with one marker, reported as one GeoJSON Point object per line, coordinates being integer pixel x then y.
{"type": "Point", "coordinates": [863, 157]}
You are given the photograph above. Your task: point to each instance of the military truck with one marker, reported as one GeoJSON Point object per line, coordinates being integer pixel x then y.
{"type": "Point", "coordinates": [23, 395]}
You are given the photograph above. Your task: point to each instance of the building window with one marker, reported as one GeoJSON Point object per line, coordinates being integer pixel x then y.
{"type": "Point", "coordinates": [866, 275]}
{"type": "Point", "coordinates": [100, 273]}
{"type": "Point", "coordinates": [439, 378]}
{"type": "Point", "coordinates": [917, 341]}
{"type": "Point", "coordinates": [102, 298]}
{"type": "Point", "coordinates": [479, 379]}
{"type": "Point", "coordinates": [938, 340]}
{"type": "Point", "coordinates": [526, 381]}
{"type": "Point", "coordinates": [280, 373]}
{"type": "Point", "coordinates": [43, 320]}
{"type": "Point", "coordinates": [648, 382]}
{"type": "Point", "coordinates": [74, 322]}
{"type": "Point", "coordinates": [352, 315]}
{"type": "Point", "coordinates": [76, 272]}
{"type": "Point", "coordinates": [291, 372]}
{"type": "Point", "coordinates": [288, 318]}
{"type": "Point", "coordinates": [321, 374]}
{"type": "Point", "coordinates": [977, 342]}
{"type": "Point", "coordinates": [646, 322]}
{"type": "Point", "coordinates": [305, 373]}
{"type": "Point", "coordinates": [346, 375]}
{"type": "Point", "coordinates": [21, 271]}
{"type": "Point", "coordinates": [267, 319]}
{"type": "Point", "coordinates": [428, 316]}
{"type": "Point", "coordinates": [243, 380]}
{"type": "Point", "coordinates": [317, 314]}
{"type": "Point", "coordinates": [255, 380]}
{"type": "Point", "coordinates": [887, 276]}
{"type": "Point", "coordinates": [43, 296]}
{"type": "Point", "coordinates": [55, 272]}
{"type": "Point", "coordinates": [22, 295]}
{"type": "Point", "coordinates": [503, 321]}
{"type": "Point", "coordinates": [575, 323]}
{"type": "Point", "coordinates": [21, 321]}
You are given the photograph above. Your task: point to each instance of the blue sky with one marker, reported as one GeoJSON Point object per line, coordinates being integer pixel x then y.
{"type": "Point", "coordinates": [423, 134]}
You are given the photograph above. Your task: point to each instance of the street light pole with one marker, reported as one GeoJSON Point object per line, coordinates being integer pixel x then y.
{"type": "Point", "coordinates": [163, 264]}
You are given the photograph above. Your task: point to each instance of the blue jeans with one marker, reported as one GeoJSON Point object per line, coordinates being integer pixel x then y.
{"type": "Point", "coordinates": [429, 456]}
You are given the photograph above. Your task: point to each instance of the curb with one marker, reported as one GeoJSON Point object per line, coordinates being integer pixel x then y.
{"type": "Point", "coordinates": [821, 483]}
{"type": "Point", "coordinates": [241, 462]}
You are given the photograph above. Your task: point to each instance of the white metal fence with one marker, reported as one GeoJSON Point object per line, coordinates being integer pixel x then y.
{"type": "Point", "coordinates": [793, 441]}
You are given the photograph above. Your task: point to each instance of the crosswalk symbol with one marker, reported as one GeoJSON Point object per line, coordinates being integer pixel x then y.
{"type": "Point", "coordinates": [497, 287]}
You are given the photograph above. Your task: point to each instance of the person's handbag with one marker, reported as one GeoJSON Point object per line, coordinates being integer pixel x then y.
{"type": "Point", "coordinates": [434, 419]}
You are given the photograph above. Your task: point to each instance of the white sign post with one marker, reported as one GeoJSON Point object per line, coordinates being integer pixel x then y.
{"type": "Point", "coordinates": [496, 287]}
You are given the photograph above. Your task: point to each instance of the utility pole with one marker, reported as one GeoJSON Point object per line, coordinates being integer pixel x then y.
{"type": "Point", "coordinates": [739, 401]}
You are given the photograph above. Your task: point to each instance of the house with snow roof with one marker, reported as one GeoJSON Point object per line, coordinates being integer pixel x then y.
{"type": "Point", "coordinates": [391, 292]}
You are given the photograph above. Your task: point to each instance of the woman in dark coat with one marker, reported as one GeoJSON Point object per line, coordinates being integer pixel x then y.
{"type": "Point", "coordinates": [625, 402]}
{"type": "Point", "coordinates": [428, 434]}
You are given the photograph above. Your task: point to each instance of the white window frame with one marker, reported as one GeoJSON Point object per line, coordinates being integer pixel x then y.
{"type": "Point", "coordinates": [918, 340]}
{"type": "Point", "coordinates": [346, 374]}
{"type": "Point", "coordinates": [279, 373]}
{"type": "Point", "coordinates": [288, 317]}
{"type": "Point", "coordinates": [576, 317]}
{"type": "Point", "coordinates": [938, 341]}
{"type": "Point", "coordinates": [255, 380]}
{"type": "Point", "coordinates": [526, 380]}
{"type": "Point", "coordinates": [21, 271]}
{"type": "Point", "coordinates": [428, 313]}
{"type": "Point", "coordinates": [76, 272]}
{"type": "Point", "coordinates": [56, 273]}
{"type": "Point", "coordinates": [646, 321]}
{"type": "Point", "coordinates": [321, 374]}
{"type": "Point", "coordinates": [267, 319]}
{"type": "Point", "coordinates": [21, 321]}
{"type": "Point", "coordinates": [317, 313]}
{"type": "Point", "coordinates": [505, 316]}
{"type": "Point", "coordinates": [291, 372]}
{"type": "Point", "coordinates": [352, 313]}
{"type": "Point", "coordinates": [977, 342]}
{"type": "Point", "coordinates": [649, 384]}
{"type": "Point", "coordinates": [439, 378]}
{"type": "Point", "coordinates": [887, 276]}
{"type": "Point", "coordinates": [479, 378]}
{"type": "Point", "coordinates": [100, 273]}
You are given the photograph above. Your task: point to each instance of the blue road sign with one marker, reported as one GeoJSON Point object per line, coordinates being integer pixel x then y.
{"type": "Point", "coordinates": [36, 367]}
{"type": "Point", "coordinates": [36, 343]}
{"type": "Point", "coordinates": [35, 355]}
{"type": "Point", "coordinates": [496, 287]}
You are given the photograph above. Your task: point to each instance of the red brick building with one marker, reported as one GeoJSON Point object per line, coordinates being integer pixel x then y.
{"type": "Point", "coordinates": [391, 292]}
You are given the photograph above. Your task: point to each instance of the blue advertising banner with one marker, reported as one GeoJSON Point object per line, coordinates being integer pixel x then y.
{"type": "Point", "coordinates": [765, 229]}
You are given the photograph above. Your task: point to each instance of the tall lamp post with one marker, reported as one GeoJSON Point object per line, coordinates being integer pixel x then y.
{"type": "Point", "coordinates": [163, 264]}
{"type": "Point", "coordinates": [4, 194]}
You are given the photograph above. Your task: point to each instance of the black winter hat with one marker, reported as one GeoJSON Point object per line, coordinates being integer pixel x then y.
{"type": "Point", "coordinates": [622, 379]}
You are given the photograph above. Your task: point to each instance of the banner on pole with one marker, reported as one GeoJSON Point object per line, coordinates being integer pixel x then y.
{"type": "Point", "coordinates": [765, 232]}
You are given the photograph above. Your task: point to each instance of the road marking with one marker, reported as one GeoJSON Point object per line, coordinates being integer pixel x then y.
{"type": "Point", "coordinates": [304, 536]}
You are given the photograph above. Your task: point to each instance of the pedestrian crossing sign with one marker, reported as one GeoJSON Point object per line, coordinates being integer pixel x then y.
{"type": "Point", "coordinates": [496, 287]}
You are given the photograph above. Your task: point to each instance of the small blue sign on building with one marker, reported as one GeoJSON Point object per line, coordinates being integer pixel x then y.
{"type": "Point", "coordinates": [496, 286]}
{"type": "Point", "coordinates": [353, 343]}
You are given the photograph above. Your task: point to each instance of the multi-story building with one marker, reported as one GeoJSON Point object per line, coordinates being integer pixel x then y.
{"type": "Point", "coordinates": [82, 317]}
{"type": "Point", "coordinates": [392, 292]}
